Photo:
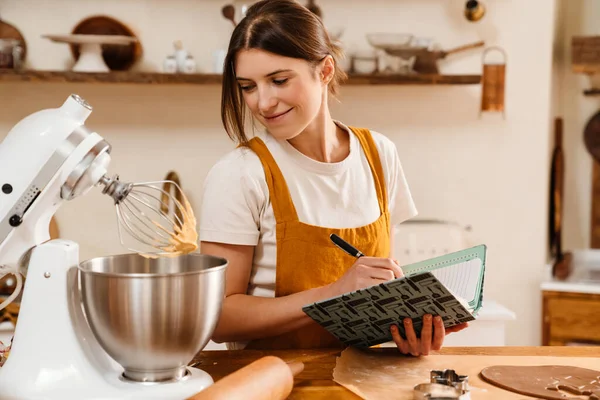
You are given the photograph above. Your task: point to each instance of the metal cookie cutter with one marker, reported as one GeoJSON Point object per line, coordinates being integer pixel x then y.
{"type": "Point", "coordinates": [444, 385]}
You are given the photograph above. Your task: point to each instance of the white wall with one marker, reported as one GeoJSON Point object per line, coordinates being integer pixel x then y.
{"type": "Point", "coordinates": [489, 173]}
{"type": "Point", "coordinates": [581, 17]}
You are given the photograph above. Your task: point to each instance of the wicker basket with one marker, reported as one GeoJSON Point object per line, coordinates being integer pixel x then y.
{"type": "Point", "coordinates": [585, 54]}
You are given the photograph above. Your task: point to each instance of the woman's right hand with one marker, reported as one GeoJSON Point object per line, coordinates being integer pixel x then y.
{"type": "Point", "coordinates": [365, 272]}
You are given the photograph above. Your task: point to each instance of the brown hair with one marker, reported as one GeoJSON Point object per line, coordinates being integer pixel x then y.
{"type": "Point", "coordinates": [282, 27]}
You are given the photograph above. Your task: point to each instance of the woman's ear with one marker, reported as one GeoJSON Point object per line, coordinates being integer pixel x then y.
{"type": "Point", "coordinates": [327, 69]}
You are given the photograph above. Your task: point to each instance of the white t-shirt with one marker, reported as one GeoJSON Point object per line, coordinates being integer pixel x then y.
{"type": "Point", "coordinates": [236, 205]}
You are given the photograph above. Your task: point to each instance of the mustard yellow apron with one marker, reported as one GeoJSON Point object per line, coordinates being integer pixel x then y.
{"type": "Point", "coordinates": [306, 258]}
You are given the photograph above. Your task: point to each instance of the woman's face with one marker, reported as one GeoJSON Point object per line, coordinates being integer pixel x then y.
{"type": "Point", "coordinates": [284, 94]}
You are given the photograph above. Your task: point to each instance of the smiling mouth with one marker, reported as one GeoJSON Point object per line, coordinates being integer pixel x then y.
{"type": "Point", "coordinates": [272, 117]}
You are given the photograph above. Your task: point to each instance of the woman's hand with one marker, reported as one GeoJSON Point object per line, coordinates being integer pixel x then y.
{"type": "Point", "coordinates": [432, 335]}
{"type": "Point", "coordinates": [365, 272]}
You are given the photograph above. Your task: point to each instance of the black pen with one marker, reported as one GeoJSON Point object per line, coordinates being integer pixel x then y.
{"type": "Point", "coordinates": [347, 247]}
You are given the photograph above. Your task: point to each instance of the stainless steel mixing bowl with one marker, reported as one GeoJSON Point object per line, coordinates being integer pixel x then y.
{"type": "Point", "coordinates": [153, 315]}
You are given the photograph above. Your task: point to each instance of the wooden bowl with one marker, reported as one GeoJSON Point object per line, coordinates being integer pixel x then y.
{"type": "Point", "coordinates": [118, 58]}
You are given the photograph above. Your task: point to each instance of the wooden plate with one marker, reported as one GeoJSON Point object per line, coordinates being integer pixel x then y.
{"type": "Point", "coordinates": [8, 31]}
{"type": "Point", "coordinates": [118, 58]}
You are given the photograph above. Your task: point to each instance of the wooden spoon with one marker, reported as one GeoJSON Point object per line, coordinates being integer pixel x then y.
{"type": "Point", "coordinates": [458, 49]}
{"type": "Point", "coordinates": [314, 8]}
{"type": "Point", "coordinates": [228, 12]}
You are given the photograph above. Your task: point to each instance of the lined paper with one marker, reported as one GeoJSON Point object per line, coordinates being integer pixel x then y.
{"type": "Point", "coordinates": [462, 279]}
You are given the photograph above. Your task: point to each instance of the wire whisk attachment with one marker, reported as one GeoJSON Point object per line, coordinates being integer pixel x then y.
{"type": "Point", "coordinates": [159, 219]}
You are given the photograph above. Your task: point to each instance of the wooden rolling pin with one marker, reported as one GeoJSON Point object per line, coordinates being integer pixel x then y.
{"type": "Point", "coordinates": [268, 378]}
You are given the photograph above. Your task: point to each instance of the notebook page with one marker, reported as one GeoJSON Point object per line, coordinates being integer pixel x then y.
{"type": "Point", "coordinates": [462, 279]}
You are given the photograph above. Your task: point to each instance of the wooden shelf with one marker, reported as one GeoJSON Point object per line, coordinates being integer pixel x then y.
{"type": "Point", "coordinates": [118, 77]}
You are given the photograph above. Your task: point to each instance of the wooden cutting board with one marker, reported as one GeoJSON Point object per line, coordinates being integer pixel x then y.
{"type": "Point", "coordinates": [389, 376]}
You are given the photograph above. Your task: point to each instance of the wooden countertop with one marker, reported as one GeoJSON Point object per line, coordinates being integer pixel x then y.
{"type": "Point", "coordinates": [315, 382]}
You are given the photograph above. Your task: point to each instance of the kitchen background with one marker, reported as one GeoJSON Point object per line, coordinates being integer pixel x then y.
{"type": "Point", "coordinates": [488, 172]}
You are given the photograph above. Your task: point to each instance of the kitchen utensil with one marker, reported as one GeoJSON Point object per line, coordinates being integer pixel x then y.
{"type": "Point", "coordinates": [166, 313]}
{"type": "Point", "coordinates": [347, 247]}
{"type": "Point", "coordinates": [47, 159]}
{"type": "Point", "coordinates": [189, 65]}
{"type": "Point", "coordinates": [314, 8]}
{"type": "Point", "coordinates": [268, 378]}
{"type": "Point", "coordinates": [426, 62]}
{"type": "Point", "coordinates": [139, 208]}
{"type": "Point", "coordinates": [11, 53]}
{"type": "Point", "coordinates": [169, 65]}
{"type": "Point", "coordinates": [563, 261]}
{"type": "Point", "coordinates": [474, 10]}
{"type": "Point", "coordinates": [446, 384]}
{"type": "Point", "coordinates": [90, 58]}
{"type": "Point", "coordinates": [492, 88]}
{"type": "Point", "coordinates": [545, 381]}
{"type": "Point", "coordinates": [8, 31]}
{"type": "Point", "coordinates": [364, 62]}
{"type": "Point", "coordinates": [372, 374]}
{"type": "Point", "coordinates": [449, 377]}
{"type": "Point", "coordinates": [591, 137]}
{"type": "Point", "coordinates": [430, 391]}
{"type": "Point", "coordinates": [228, 12]}
{"type": "Point", "coordinates": [116, 57]}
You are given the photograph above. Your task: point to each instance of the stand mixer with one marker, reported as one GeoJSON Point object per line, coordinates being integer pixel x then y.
{"type": "Point", "coordinates": [113, 327]}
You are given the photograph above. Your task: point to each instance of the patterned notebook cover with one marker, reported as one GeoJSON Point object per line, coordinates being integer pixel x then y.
{"type": "Point", "coordinates": [363, 318]}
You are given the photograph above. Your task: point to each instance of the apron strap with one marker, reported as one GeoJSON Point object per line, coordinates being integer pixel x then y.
{"type": "Point", "coordinates": [370, 148]}
{"type": "Point", "coordinates": [281, 199]}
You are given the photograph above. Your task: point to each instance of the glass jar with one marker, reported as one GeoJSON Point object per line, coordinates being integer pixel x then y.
{"type": "Point", "coordinates": [11, 53]}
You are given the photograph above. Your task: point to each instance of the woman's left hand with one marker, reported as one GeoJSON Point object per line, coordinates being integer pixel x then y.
{"type": "Point", "coordinates": [432, 335]}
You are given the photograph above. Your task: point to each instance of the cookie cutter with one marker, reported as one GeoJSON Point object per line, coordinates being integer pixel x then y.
{"type": "Point", "coordinates": [437, 391]}
{"type": "Point", "coordinates": [449, 377]}
{"type": "Point", "coordinates": [444, 385]}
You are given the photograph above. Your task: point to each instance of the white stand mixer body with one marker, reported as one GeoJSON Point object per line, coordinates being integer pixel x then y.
{"type": "Point", "coordinates": [47, 158]}
{"type": "Point", "coordinates": [55, 354]}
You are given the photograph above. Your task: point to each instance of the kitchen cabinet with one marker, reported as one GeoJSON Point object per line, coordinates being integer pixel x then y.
{"type": "Point", "coordinates": [570, 318]}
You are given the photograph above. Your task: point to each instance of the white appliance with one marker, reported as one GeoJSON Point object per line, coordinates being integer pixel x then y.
{"type": "Point", "coordinates": [47, 159]}
{"type": "Point", "coordinates": [419, 239]}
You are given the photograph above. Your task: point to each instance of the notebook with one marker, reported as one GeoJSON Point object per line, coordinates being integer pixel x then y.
{"type": "Point", "coordinates": [450, 286]}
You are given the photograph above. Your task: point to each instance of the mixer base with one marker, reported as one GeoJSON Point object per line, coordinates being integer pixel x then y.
{"type": "Point", "coordinates": [55, 355]}
{"type": "Point", "coordinates": [113, 387]}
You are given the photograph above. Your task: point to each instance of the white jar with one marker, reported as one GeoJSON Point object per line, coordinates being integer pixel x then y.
{"type": "Point", "coordinates": [189, 66]}
{"type": "Point", "coordinates": [170, 65]}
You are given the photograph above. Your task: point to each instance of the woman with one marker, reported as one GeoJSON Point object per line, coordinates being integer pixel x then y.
{"type": "Point", "coordinates": [270, 205]}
